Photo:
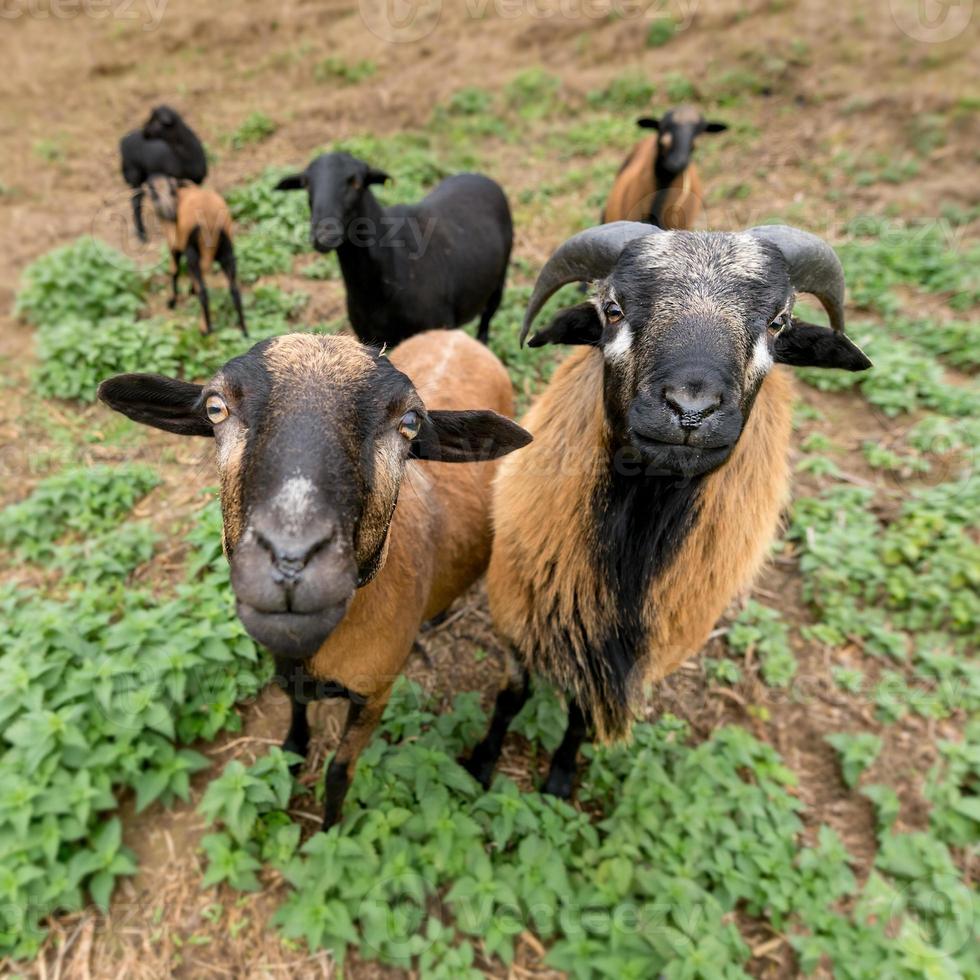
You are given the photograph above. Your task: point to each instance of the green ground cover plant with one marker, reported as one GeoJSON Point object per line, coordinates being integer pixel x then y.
{"type": "Point", "coordinates": [104, 686]}
{"type": "Point", "coordinates": [97, 332]}
{"type": "Point", "coordinates": [680, 834]}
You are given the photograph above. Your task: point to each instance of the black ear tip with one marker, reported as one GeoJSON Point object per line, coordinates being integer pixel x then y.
{"type": "Point", "coordinates": [105, 390]}
{"type": "Point", "coordinates": [535, 340]}
{"type": "Point", "coordinates": [292, 182]}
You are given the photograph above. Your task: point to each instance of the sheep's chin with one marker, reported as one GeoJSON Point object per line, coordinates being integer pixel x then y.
{"type": "Point", "coordinates": [294, 636]}
{"type": "Point", "coordinates": [666, 459]}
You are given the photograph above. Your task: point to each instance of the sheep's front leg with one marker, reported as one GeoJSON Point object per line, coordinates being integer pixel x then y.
{"type": "Point", "coordinates": [137, 201]}
{"type": "Point", "coordinates": [302, 689]}
{"type": "Point", "coordinates": [298, 736]}
{"type": "Point", "coordinates": [362, 720]}
{"type": "Point", "coordinates": [483, 760]}
{"type": "Point", "coordinates": [564, 763]}
{"type": "Point", "coordinates": [175, 257]}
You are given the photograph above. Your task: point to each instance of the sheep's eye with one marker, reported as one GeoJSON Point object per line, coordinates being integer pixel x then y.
{"type": "Point", "coordinates": [409, 425]}
{"type": "Point", "coordinates": [354, 181]}
{"type": "Point", "coordinates": [216, 409]}
{"type": "Point", "coordinates": [613, 313]}
{"type": "Point", "coordinates": [776, 327]}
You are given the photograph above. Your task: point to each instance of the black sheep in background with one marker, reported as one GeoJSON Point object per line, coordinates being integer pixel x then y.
{"type": "Point", "coordinates": [410, 267]}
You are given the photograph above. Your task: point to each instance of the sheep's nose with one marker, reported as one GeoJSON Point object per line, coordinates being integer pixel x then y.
{"type": "Point", "coordinates": [291, 553]}
{"type": "Point", "coordinates": [327, 234]}
{"type": "Point", "coordinates": [693, 402]}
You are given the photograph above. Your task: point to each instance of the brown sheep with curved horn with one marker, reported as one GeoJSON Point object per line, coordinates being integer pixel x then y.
{"type": "Point", "coordinates": [659, 466]}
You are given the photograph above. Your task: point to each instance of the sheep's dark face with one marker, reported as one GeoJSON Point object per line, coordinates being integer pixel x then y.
{"type": "Point", "coordinates": [335, 183]}
{"type": "Point", "coordinates": [690, 324]}
{"type": "Point", "coordinates": [161, 124]}
{"type": "Point", "coordinates": [312, 439]}
{"type": "Point", "coordinates": [678, 130]}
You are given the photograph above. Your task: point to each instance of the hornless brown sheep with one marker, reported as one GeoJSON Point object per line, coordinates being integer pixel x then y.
{"type": "Point", "coordinates": [341, 541]}
{"type": "Point", "coordinates": [657, 182]}
{"type": "Point", "coordinates": [197, 224]}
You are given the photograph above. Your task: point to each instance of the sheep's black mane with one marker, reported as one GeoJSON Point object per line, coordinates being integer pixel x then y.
{"type": "Point", "coordinates": [641, 523]}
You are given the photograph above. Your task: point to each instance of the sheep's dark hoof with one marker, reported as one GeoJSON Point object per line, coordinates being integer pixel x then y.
{"type": "Point", "coordinates": [481, 771]}
{"type": "Point", "coordinates": [329, 820]}
{"type": "Point", "coordinates": [559, 783]}
{"type": "Point", "coordinates": [437, 620]}
{"type": "Point", "coordinates": [172, 302]}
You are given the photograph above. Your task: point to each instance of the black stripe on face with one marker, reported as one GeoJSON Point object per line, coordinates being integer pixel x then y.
{"type": "Point", "coordinates": [245, 383]}
{"type": "Point", "coordinates": [641, 523]}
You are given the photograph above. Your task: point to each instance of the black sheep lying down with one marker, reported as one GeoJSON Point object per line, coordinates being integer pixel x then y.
{"type": "Point", "coordinates": [164, 145]}
{"type": "Point", "coordinates": [409, 267]}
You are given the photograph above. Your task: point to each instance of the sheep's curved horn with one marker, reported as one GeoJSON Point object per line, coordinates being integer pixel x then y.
{"type": "Point", "coordinates": [813, 266]}
{"type": "Point", "coordinates": [590, 254]}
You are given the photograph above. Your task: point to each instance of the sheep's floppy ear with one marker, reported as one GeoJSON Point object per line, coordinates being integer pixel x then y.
{"type": "Point", "coordinates": [576, 325]}
{"type": "Point", "coordinates": [294, 182]}
{"type": "Point", "coordinates": [375, 176]}
{"type": "Point", "coordinates": [648, 122]}
{"type": "Point", "coordinates": [153, 399]}
{"type": "Point", "coordinates": [467, 437]}
{"type": "Point", "coordinates": [715, 127]}
{"type": "Point", "coordinates": [808, 345]}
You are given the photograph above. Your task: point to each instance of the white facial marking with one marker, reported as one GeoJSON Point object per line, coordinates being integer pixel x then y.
{"type": "Point", "coordinates": [619, 346]}
{"type": "Point", "coordinates": [293, 501]}
{"type": "Point", "coordinates": [761, 360]}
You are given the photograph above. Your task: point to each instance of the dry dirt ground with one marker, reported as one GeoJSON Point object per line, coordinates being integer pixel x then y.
{"type": "Point", "coordinates": [71, 85]}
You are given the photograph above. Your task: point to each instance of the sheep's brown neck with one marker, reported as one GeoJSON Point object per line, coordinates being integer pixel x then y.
{"type": "Point", "coordinates": [707, 548]}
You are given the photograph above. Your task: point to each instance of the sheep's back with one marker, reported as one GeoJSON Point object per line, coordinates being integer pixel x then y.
{"type": "Point", "coordinates": [452, 371]}
{"type": "Point", "coordinates": [205, 210]}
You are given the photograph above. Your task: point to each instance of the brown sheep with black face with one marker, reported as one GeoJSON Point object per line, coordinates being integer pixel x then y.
{"type": "Point", "coordinates": [659, 466]}
{"type": "Point", "coordinates": [341, 540]}
{"type": "Point", "coordinates": [197, 223]}
{"type": "Point", "coordinates": [657, 182]}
